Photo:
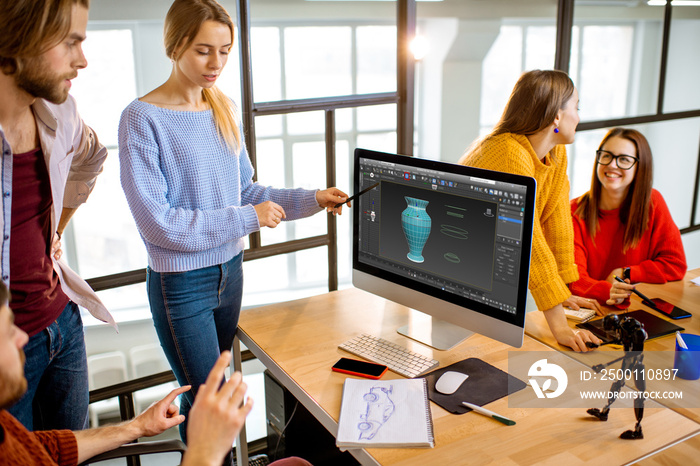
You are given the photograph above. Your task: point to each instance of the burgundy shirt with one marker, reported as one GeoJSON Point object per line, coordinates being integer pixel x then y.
{"type": "Point", "coordinates": [37, 298]}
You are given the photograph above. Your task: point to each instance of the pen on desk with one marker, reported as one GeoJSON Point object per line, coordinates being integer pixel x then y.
{"type": "Point", "coordinates": [488, 413]}
{"type": "Point", "coordinates": [357, 195]}
{"type": "Point", "coordinates": [645, 300]}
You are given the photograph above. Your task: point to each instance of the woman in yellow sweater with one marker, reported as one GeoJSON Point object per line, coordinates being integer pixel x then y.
{"type": "Point", "coordinates": [540, 117]}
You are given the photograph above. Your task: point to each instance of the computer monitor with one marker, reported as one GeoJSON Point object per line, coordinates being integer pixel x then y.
{"type": "Point", "coordinates": [447, 240]}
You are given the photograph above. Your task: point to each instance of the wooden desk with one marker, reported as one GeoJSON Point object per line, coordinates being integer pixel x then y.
{"type": "Point", "coordinates": [682, 293]}
{"type": "Point", "coordinates": [297, 341]}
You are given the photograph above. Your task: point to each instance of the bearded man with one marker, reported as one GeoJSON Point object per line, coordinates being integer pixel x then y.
{"type": "Point", "coordinates": [217, 415]}
{"type": "Point", "coordinates": [50, 161]}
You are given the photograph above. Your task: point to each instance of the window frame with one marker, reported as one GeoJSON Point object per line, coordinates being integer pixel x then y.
{"type": "Point", "coordinates": [404, 99]}
{"type": "Point", "coordinates": [565, 23]}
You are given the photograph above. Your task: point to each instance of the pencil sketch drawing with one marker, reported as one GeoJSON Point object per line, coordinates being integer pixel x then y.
{"type": "Point", "coordinates": [379, 410]}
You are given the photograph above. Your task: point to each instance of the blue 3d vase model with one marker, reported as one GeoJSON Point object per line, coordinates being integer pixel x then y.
{"type": "Point", "coordinates": [416, 223]}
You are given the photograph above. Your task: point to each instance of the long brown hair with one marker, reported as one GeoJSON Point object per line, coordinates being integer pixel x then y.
{"type": "Point", "coordinates": [634, 211]}
{"type": "Point", "coordinates": [31, 27]}
{"type": "Point", "coordinates": [533, 105]}
{"type": "Point", "coordinates": [182, 23]}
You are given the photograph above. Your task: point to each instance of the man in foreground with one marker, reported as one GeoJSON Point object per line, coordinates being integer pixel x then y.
{"type": "Point", "coordinates": [217, 415]}
{"type": "Point", "coordinates": [216, 418]}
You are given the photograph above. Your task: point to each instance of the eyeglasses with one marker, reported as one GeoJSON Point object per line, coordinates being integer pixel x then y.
{"type": "Point", "coordinates": [624, 162]}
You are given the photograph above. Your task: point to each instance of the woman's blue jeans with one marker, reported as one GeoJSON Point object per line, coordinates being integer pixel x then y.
{"type": "Point", "coordinates": [195, 314]}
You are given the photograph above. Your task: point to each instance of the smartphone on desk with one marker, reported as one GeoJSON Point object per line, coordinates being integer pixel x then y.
{"type": "Point", "coordinates": [664, 307]}
{"type": "Point", "coordinates": [369, 370]}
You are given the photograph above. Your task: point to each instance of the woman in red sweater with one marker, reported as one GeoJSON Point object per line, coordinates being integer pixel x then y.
{"type": "Point", "coordinates": [622, 226]}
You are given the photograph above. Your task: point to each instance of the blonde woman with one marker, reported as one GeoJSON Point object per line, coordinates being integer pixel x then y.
{"type": "Point", "coordinates": [540, 117]}
{"type": "Point", "coordinates": [188, 181]}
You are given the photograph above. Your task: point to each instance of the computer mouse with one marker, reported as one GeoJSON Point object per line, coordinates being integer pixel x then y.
{"type": "Point", "coordinates": [449, 382]}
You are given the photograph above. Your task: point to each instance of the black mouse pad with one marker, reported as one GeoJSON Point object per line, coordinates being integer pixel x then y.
{"type": "Point", "coordinates": [485, 384]}
{"type": "Point", "coordinates": [654, 326]}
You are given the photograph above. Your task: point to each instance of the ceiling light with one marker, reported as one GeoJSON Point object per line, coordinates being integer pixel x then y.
{"type": "Point", "coordinates": [419, 47]}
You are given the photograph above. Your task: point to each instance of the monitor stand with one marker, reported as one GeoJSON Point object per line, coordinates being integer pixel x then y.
{"type": "Point", "coordinates": [433, 332]}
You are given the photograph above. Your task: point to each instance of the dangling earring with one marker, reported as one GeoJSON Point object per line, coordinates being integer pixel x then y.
{"type": "Point", "coordinates": [556, 130]}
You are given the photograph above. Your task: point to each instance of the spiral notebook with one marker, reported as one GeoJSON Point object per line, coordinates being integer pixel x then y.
{"type": "Point", "coordinates": [385, 414]}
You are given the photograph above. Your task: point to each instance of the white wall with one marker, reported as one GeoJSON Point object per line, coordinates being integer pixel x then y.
{"type": "Point", "coordinates": [440, 34]}
{"type": "Point", "coordinates": [691, 243]}
{"type": "Point", "coordinates": [152, 66]}
{"type": "Point", "coordinates": [461, 90]}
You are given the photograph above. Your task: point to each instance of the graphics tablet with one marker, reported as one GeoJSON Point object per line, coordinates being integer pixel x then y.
{"type": "Point", "coordinates": [654, 326]}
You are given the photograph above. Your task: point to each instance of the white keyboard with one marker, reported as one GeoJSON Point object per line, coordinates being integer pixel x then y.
{"type": "Point", "coordinates": [395, 357]}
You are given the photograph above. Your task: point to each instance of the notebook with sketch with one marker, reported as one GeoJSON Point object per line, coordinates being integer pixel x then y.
{"type": "Point", "coordinates": [385, 413]}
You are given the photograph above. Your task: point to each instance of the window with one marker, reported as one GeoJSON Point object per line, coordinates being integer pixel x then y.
{"type": "Point", "coordinates": [102, 238]}
{"type": "Point", "coordinates": [683, 61]}
{"type": "Point", "coordinates": [317, 61]}
{"type": "Point", "coordinates": [616, 61]}
{"type": "Point", "coordinates": [104, 224]}
{"type": "Point", "coordinates": [376, 63]}
{"type": "Point", "coordinates": [468, 73]}
{"type": "Point", "coordinates": [670, 156]}
{"type": "Point", "coordinates": [290, 148]}
{"type": "Point", "coordinates": [517, 48]}
{"type": "Point", "coordinates": [108, 84]}
{"type": "Point", "coordinates": [472, 62]}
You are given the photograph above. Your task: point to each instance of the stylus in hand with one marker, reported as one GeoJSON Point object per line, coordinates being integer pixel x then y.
{"type": "Point", "coordinates": [646, 300]}
{"type": "Point", "coordinates": [357, 195]}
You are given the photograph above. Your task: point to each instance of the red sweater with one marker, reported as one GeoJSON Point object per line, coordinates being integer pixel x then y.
{"type": "Point", "coordinates": [20, 447]}
{"type": "Point", "coordinates": [657, 258]}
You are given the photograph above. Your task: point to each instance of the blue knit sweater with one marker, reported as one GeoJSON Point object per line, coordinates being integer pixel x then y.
{"type": "Point", "coordinates": [191, 196]}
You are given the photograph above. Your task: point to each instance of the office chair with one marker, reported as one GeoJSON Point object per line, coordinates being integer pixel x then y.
{"type": "Point", "coordinates": [148, 360]}
{"type": "Point", "coordinates": [105, 369]}
{"type": "Point", "coordinates": [160, 446]}
{"type": "Point", "coordinates": [133, 451]}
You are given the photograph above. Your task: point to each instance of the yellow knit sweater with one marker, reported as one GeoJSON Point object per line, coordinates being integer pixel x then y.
{"type": "Point", "coordinates": [552, 264]}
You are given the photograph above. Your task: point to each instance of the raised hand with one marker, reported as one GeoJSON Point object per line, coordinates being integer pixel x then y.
{"type": "Point", "coordinates": [217, 415]}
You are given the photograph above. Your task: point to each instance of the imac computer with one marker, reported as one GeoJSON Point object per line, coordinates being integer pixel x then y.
{"type": "Point", "coordinates": [447, 240]}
